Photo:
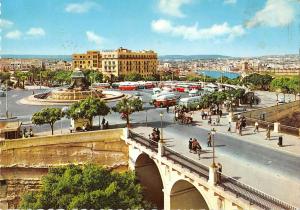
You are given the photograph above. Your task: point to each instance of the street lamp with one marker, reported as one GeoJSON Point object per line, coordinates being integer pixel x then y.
{"type": "Point", "coordinates": [161, 127]}
{"type": "Point", "coordinates": [213, 132]}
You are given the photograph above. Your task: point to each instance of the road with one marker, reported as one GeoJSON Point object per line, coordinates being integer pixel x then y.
{"type": "Point", "coordinates": [273, 172]}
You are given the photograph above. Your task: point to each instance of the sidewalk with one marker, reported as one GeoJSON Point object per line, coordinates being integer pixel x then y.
{"type": "Point", "coordinates": [291, 144]}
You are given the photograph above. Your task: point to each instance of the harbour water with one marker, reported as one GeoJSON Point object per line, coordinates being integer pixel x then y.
{"type": "Point", "coordinates": [218, 74]}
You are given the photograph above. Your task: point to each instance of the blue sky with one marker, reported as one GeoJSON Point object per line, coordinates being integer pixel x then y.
{"type": "Point", "coordinates": [227, 27]}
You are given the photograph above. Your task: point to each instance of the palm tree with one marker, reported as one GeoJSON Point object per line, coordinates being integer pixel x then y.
{"type": "Point", "coordinates": [127, 106]}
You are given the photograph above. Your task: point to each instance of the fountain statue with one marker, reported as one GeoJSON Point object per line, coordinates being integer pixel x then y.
{"type": "Point", "coordinates": [79, 81]}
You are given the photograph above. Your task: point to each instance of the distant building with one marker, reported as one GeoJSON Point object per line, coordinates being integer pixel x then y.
{"type": "Point", "coordinates": [118, 62]}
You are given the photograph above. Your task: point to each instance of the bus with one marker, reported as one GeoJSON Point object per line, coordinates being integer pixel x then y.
{"type": "Point", "coordinates": [100, 85]}
{"type": "Point", "coordinates": [165, 100]}
{"type": "Point", "coordinates": [128, 86]}
{"type": "Point", "coordinates": [211, 88]}
{"type": "Point", "coordinates": [188, 102]}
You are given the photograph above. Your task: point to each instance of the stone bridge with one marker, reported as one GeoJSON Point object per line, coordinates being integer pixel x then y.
{"type": "Point", "coordinates": [173, 181]}
{"type": "Point", "coordinates": [170, 180]}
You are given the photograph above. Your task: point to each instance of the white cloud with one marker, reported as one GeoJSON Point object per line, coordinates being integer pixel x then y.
{"type": "Point", "coordinates": [5, 23]}
{"type": "Point", "coordinates": [36, 32]}
{"type": "Point", "coordinates": [172, 7]}
{"type": "Point", "coordinates": [230, 1]}
{"type": "Point", "coordinates": [80, 7]}
{"type": "Point", "coordinates": [16, 34]}
{"type": "Point", "coordinates": [92, 37]}
{"type": "Point", "coordinates": [195, 33]}
{"type": "Point", "coordinates": [276, 13]}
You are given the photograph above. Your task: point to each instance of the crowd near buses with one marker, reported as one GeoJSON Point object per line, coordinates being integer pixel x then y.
{"type": "Point", "coordinates": [165, 94]}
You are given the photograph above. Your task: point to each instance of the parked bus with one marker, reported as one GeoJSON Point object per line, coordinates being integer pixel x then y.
{"type": "Point", "coordinates": [188, 102]}
{"type": "Point", "coordinates": [100, 85]}
{"type": "Point", "coordinates": [211, 87]}
{"type": "Point", "coordinates": [165, 100]}
{"type": "Point", "coordinates": [128, 86]}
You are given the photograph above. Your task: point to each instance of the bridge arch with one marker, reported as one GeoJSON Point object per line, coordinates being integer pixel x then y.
{"type": "Point", "coordinates": [149, 176]}
{"type": "Point", "coordinates": [185, 195]}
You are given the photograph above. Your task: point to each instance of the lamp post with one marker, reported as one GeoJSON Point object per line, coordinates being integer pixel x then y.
{"type": "Point", "coordinates": [146, 118]}
{"type": "Point", "coordinates": [161, 127]}
{"type": "Point", "coordinates": [213, 132]}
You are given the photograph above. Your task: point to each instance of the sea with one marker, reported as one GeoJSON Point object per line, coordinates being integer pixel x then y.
{"type": "Point", "coordinates": [47, 57]}
{"type": "Point", "coordinates": [217, 74]}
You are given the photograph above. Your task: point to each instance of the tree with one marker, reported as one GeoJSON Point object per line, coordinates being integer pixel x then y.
{"type": "Point", "coordinates": [88, 109]}
{"type": "Point", "coordinates": [86, 187]}
{"type": "Point", "coordinates": [281, 84]}
{"type": "Point", "coordinates": [128, 106]}
{"type": "Point", "coordinates": [47, 116]}
{"type": "Point", "coordinates": [259, 81]}
{"type": "Point", "coordinates": [62, 76]}
{"type": "Point", "coordinates": [294, 86]}
{"type": "Point", "coordinates": [133, 77]}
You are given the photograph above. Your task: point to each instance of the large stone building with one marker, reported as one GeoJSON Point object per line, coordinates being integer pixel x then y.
{"type": "Point", "coordinates": [118, 62]}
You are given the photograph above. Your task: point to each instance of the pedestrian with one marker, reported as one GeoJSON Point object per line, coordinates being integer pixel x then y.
{"type": "Point", "coordinates": [209, 140]}
{"type": "Point", "coordinates": [240, 128]}
{"type": "Point", "coordinates": [220, 113]}
{"type": "Point", "coordinates": [106, 124]}
{"type": "Point", "coordinates": [176, 115]}
{"type": "Point", "coordinates": [209, 120]}
{"type": "Point", "coordinates": [190, 144]}
{"type": "Point", "coordinates": [202, 114]}
{"type": "Point", "coordinates": [167, 109]}
{"type": "Point", "coordinates": [218, 120]}
{"type": "Point", "coordinates": [229, 127]}
{"type": "Point", "coordinates": [268, 134]}
{"type": "Point", "coordinates": [103, 123]}
{"type": "Point", "coordinates": [219, 167]}
{"type": "Point", "coordinates": [255, 127]}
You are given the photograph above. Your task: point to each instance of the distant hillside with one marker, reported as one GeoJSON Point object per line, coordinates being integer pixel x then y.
{"type": "Point", "coordinates": [191, 57]}
{"type": "Point", "coordinates": [49, 57]}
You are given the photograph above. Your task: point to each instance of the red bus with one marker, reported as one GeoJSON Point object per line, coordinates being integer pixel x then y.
{"type": "Point", "coordinates": [128, 86]}
{"type": "Point", "coordinates": [165, 101]}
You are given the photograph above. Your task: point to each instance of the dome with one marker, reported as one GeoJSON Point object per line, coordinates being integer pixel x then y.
{"type": "Point", "coordinates": [77, 73]}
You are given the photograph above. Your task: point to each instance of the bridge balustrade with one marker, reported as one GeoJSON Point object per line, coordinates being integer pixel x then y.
{"type": "Point", "coordinates": [254, 196]}
{"type": "Point", "coordinates": [251, 194]}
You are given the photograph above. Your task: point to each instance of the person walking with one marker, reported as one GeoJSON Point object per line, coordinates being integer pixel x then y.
{"type": "Point", "coordinates": [229, 127]}
{"type": "Point", "coordinates": [268, 134]}
{"type": "Point", "coordinates": [240, 128]}
{"type": "Point", "coordinates": [218, 120]}
{"type": "Point", "coordinates": [209, 140]}
{"type": "Point", "coordinates": [168, 109]}
{"type": "Point", "coordinates": [255, 127]}
{"type": "Point", "coordinates": [190, 144]}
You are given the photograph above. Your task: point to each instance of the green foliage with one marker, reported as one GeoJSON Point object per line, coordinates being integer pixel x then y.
{"type": "Point", "coordinates": [280, 84]}
{"type": "Point", "coordinates": [133, 77]}
{"type": "Point", "coordinates": [62, 77]}
{"type": "Point", "coordinates": [47, 116]}
{"type": "Point", "coordinates": [259, 81]}
{"type": "Point", "coordinates": [4, 76]}
{"type": "Point", "coordinates": [128, 106]}
{"type": "Point", "coordinates": [87, 109]}
{"type": "Point", "coordinates": [93, 76]}
{"type": "Point", "coordinates": [86, 187]}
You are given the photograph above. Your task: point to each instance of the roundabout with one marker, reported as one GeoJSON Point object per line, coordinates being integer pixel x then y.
{"type": "Point", "coordinates": [76, 91]}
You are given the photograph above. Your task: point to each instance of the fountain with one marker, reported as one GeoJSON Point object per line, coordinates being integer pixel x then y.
{"type": "Point", "coordinates": [77, 90]}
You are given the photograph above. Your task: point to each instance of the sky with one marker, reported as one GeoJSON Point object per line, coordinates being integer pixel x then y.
{"type": "Point", "coordinates": [187, 27]}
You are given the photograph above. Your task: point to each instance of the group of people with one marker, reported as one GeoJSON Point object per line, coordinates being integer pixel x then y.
{"type": "Point", "coordinates": [194, 146]}
{"type": "Point", "coordinates": [208, 115]}
{"type": "Point", "coordinates": [155, 135]}
{"type": "Point", "coordinates": [26, 134]}
{"type": "Point", "coordinates": [182, 114]}
{"type": "Point", "coordinates": [104, 124]}
{"type": "Point", "coordinates": [240, 124]}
